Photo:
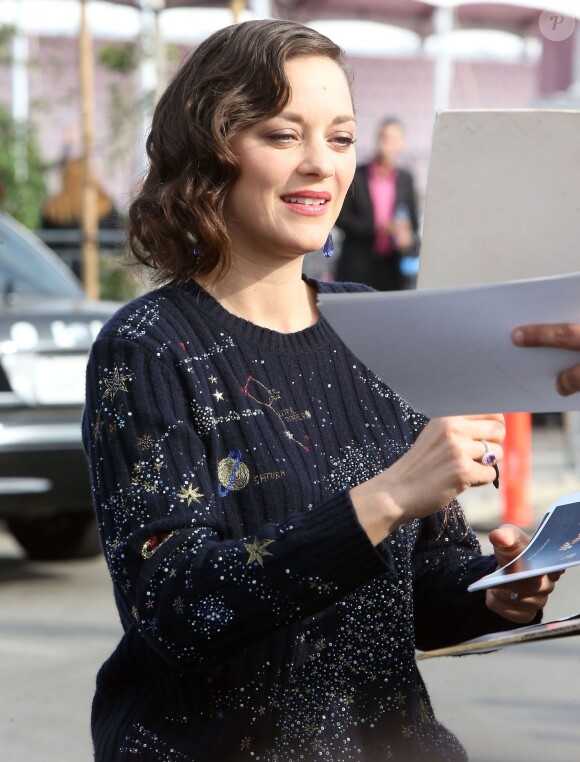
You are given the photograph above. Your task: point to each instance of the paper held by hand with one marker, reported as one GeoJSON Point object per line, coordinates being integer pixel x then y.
{"type": "Point", "coordinates": [558, 628]}
{"type": "Point", "coordinates": [502, 197]}
{"type": "Point", "coordinates": [555, 546]}
{"type": "Point", "coordinates": [448, 351]}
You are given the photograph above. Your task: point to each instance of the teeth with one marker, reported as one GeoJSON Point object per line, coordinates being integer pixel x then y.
{"type": "Point", "coordinates": [307, 201]}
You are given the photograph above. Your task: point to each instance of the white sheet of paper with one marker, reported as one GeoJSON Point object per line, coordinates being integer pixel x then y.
{"type": "Point", "coordinates": [502, 199]}
{"type": "Point", "coordinates": [449, 351]}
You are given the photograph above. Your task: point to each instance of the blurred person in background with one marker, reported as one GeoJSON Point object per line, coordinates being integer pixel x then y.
{"type": "Point", "coordinates": [379, 219]}
{"type": "Point", "coordinates": [281, 528]}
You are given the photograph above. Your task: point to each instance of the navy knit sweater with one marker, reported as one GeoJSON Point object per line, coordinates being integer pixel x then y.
{"type": "Point", "coordinates": [260, 623]}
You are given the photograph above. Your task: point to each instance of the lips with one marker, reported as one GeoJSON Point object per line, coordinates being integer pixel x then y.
{"type": "Point", "coordinates": [307, 202]}
{"type": "Point", "coordinates": [304, 200]}
{"type": "Point", "coordinates": [307, 195]}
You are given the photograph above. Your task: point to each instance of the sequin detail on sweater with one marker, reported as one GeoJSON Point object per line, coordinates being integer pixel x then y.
{"type": "Point", "coordinates": [260, 622]}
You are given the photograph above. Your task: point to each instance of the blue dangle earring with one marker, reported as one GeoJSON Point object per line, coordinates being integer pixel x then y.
{"type": "Point", "coordinates": [328, 248]}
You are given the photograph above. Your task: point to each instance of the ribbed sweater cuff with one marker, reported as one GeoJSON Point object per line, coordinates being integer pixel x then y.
{"type": "Point", "coordinates": [346, 555]}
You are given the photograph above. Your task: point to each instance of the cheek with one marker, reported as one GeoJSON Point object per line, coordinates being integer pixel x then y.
{"type": "Point", "coordinates": [352, 167]}
{"type": "Point", "coordinates": [347, 174]}
{"type": "Point", "coordinates": [259, 174]}
{"type": "Point", "coordinates": [247, 188]}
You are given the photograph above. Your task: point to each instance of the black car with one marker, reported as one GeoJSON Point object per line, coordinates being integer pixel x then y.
{"type": "Point", "coordinates": [46, 329]}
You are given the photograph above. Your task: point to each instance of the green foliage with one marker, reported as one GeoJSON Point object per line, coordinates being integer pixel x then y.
{"type": "Point", "coordinates": [119, 282]}
{"type": "Point", "coordinates": [6, 36]}
{"type": "Point", "coordinates": [124, 108]}
{"type": "Point", "coordinates": [124, 111]}
{"type": "Point", "coordinates": [22, 189]}
{"type": "Point", "coordinates": [122, 58]}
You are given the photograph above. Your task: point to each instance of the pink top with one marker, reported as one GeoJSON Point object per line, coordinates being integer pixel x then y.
{"type": "Point", "coordinates": [383, 191]}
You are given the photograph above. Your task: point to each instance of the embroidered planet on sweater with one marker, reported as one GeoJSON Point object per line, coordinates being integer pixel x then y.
{"type": "Point", "coordinates": [259, 621]}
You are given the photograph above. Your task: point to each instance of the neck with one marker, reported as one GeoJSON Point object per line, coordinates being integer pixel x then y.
{"type": "Point", "coordinates": [276, 298]}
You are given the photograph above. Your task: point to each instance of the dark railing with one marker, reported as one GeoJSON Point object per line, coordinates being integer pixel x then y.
{"type": "Point", "coordinates": [66, 243]}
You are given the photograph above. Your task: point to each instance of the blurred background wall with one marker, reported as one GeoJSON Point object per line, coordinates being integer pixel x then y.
{"type": "Point", "coordinates": [407, 60]}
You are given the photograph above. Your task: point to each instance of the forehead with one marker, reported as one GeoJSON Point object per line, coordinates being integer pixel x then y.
{"type": "Point", "coordinates": [317, 77]}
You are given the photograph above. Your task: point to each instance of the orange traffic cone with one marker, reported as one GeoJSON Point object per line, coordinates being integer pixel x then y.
{"type": "Point", "coordinates": [516, 470]}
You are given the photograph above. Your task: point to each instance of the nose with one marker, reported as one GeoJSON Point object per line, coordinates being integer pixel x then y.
{"type": "Point", "coordinates": [318, 160]}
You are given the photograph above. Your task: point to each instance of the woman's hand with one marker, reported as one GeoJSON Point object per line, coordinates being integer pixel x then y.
{"type": "Point", "coordinates": [444, 461]}
{"type": "Point", "coordinates": [519, 601]}
{"type": "Point", "coordinates": [558, 336]}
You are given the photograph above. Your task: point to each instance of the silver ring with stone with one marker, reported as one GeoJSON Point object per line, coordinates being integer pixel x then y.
{"type": "Point", "coordinates": [489, 458]}
{"type": "Point", "coordinates": [514, 597]}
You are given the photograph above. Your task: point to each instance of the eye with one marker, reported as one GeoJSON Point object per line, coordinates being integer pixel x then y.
{"type": "Point", "coordinates": [343, 141]}
{"type": "Point", "coordinates": [282, 138]}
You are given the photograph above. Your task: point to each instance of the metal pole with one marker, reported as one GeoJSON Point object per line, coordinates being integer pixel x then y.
{"type": "Point", "coordinates": [20, 92]}
{"type": "Point", "coordinates": [444, 22]}
{"type": "Point", "coordinates": [89, 215]}
{"type": "Point", "coordinates": [148, 73]}
{"type": "Point", "coordinates": [160, 52]}
{"type": "Point", "coordinates": [237, 7]}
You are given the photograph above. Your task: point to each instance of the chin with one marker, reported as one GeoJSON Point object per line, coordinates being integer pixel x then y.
{"type": "Point", "coordinates": [312, 245]}
{"type": "Point", "coordinates": [307, 243]}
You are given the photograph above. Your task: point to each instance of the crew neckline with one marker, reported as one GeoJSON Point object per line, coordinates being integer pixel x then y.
{"type": "Point", "coordinates": [297, 342]}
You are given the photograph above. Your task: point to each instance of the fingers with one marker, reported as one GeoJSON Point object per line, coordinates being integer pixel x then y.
{"type": "Point", "coordinates": [520, 602]}
{"type": "Point", "coordinates": [484, 473]}
{"type": "Point", "coordinates": [531, 587]}
{"type": "Point", "coordinates": [444, 461]}
{"type": "Point", "coordinates": [568, 382]}
{"type": "Point", "coordinates": [490, 428]}
{"type": "Point", "coordinates": [522, 611]}
{"type": "Point", "coordinates": [509, 540]}
{"type": "Point", "coordinates": [461, 440]}
{"type": "Point", "coordinates": [490, 431]}
{"type": "Point", "coordinates": [558, 335]}
{"type": "Point", "coordinates": [476, 449]}
{"type": "Point", "coordinates": [499, 417]}
{"type": "Point", "coordinates": [490, 452]}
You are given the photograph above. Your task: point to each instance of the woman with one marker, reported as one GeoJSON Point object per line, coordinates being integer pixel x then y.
{"type": "Point", "coordinates": [379, 218]}
{"type": "Point", "coordinates": [275, 541]}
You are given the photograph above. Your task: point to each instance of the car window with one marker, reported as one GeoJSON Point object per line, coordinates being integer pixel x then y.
{"type": "Point", "coordinates": [26, 269]}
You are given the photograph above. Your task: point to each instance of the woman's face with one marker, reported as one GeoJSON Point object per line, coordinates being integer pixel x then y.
{"type": "Point", "coordinates": [295, 167]}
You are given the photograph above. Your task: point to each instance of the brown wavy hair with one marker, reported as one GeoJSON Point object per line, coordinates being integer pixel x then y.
{"type": "Point", "coordinates": [234, 79]}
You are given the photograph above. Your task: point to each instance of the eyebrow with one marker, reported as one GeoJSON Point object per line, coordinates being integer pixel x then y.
{"type": "Point", "coordinates": [293, 117]}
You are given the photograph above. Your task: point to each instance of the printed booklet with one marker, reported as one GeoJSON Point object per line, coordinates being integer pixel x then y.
{"type": "Point", "coordinates": [555, 546]}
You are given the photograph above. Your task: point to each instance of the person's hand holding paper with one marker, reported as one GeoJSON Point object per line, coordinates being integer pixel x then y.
{"type": "Point", "coordinates": [522, 600]}
{"type": "Point", "coordinates": [557, 336]}
{"type": "Point", "coordinates": [449, 351]}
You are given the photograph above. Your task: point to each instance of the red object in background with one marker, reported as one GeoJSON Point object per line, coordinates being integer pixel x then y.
{"type": "Point", "coordinates": [516, 470]}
